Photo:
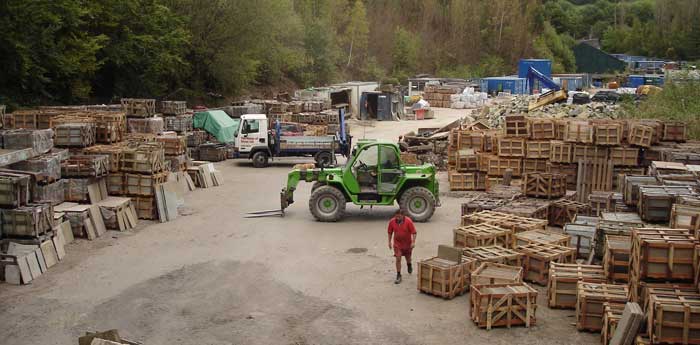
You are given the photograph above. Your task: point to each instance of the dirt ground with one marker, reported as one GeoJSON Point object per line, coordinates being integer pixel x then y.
{"type": "Point", "coordinates": [213, 277]}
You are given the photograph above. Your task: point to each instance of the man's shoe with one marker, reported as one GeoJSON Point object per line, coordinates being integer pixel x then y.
{"type": "Point", "coordinates": [410, 268]}
{"type": "Point", "coordinates": [398, 278]}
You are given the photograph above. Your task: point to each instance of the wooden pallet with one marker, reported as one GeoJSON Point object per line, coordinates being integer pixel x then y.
{"type": "Point", "coordinates": [541, 236]}
{"type": "Point", "coordinates": [640, 135]}
{"type": "Point", "coordinates": [646, 289]}
{"type": "Point", "coordinates": [675, 131]}
{"type": "Point", "coordinates": [624, 156]}
{"type": "Point", "coordinates": [685, 217]}
{"type": "Point", "coordinates": [667, 254]}
{"type": "Point", "coordinates": [115, 153]}
{"type": "Point", "coordinates": [542, 129]}
{"type": "Point", "coordinates": [144, 159]}
{"type": "Point", "coordinates": [469, 139]}
{"type": "Point", "coordinates": [655, 202]}
{"type": "Point", "coordinates": [484, 160]}
{"type": "Point", "coordinates": [516, 126]}
{"type": "Point", "coordinates": [81, 134]}
{"type": "Point", "coordinates": [481, 235]}
{"type": "Point", "coordinates": [544, 185]}
{"type": "Point", "coordinates": [443, 278]}
{"type": "Point", "coordinates": [139, 107]}
{"type": "Point", "coordinates": [504, 220]}
{"type": "Point", "coordinates": [496, 254]}
{"type": "Point", "coordinates": [579, 132]}
{"type": "Point", "coordinates": [85, 166]}
{"type": "Point", "coordinates": [499, 165]}
{"type": "Point", "coordinates": [564, 211]}
{"type": "Point", "coordinates": [560, 152]}
{"type": "Point", "coordinates": [173, 145]}
{"type": "Point", "coordinates": [611, 317]}
{"type": "Point", "coordinates": [534, 165]}
{"type": "Point", "coordinates": [143, 185]}
{"type": "Point", "coordinates": [672, 319]}
{"type": "Point", "coordinates": [537, 258]}
{"type": "Point", "coordinates": [503, 305]}
{"type": "Point", "coordinates": [585, 152]}
{"type": "Point", "coordinates": [568, 169]}
{"type": "Point", "coordinates": [608, 133]}
{"type": "Point", "coordinates": [590, 300]}
{"type": "Point", "coordinates": [616, 260]}
{"type": "Point", "coordinates": [538, 149]}
{"type": "Point", "coordinates": [600, 202]}
{"type": "Point", "coordinates": [527, 208]}
{"type": "Point", "coordinates": [511, 147]}
{"type": "Point", "coordinates": [489, 273]}
{"type": "Point", "coordinates": [563, 281]}
{"type": "Point", "coordinates": [467, 181]}
{"type": "Point", "coordinates": [593, 176]}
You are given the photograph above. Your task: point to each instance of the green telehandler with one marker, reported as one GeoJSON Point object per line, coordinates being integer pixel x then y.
{"type": "Point", "coordinates": [373, 175]}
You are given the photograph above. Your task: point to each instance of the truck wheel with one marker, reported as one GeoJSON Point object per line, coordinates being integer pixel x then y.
{"type": "Point", "coordinates": [324, 159]}
{"type": "Point", "coordinates": [327, 204]}
{"type": "Point", "coordinates": [418, 203]}
{"type": "Point", "coordinates": [316, 185]}
{"type": "Point", "coordinates": [260, 159]}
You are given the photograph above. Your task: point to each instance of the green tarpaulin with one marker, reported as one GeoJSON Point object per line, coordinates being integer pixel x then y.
{"type": "Point", "coordinates": [216, 123]}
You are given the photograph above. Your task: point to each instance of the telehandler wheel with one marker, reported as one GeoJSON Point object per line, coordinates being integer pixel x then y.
{"type": "Point", "coordinates": [316, 185]}
{"type": "Point", "coordinates": [418, 203]}
{"type": "Point", "coordinates": [260, 159]}
{"type": "Point", "coordinates": [327, 204]}
{"type": "Point", "coordinates": [324, 159]}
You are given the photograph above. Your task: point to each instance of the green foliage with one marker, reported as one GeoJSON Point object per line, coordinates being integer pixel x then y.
{"type": "Point", "coordinates": [557, 47]}
{"type": "Point", "coordinates": [404, 54]}
{"type": "Point", "coordinates": [677, 101]}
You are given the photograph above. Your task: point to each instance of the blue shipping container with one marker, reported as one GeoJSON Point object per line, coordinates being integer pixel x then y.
{"type": "Point", "coordinates": [544, 66]}
{"type": "Point", "coordinates": [635, 81]}
{"type": "Point", "coordinates": [516, 86]}
{"type": "Point", "coordinates": [572, 83]}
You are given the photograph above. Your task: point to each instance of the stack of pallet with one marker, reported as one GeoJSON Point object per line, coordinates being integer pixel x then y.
{"type": "Point", "coordinates": [439, 96]}
{"type": "Point", "coordinates": [141, 116]}
{"type": "Point", "coordinates": [175, 151]}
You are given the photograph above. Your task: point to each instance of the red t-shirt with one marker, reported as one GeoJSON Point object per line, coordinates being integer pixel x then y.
{"type": "Point", "coordinates": [402, 232]}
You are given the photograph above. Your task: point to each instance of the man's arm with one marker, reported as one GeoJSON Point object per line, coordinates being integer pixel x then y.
{"type": "Point", "coordinates": [391, 233]}
{"type": "Point", "coordinates": [414, 234]}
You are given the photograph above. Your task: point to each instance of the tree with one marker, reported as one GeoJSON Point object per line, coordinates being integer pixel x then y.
{"type": "Point", "coordinates": [357, 34]}
{"type": "Point", "coordinates": [404, 54]}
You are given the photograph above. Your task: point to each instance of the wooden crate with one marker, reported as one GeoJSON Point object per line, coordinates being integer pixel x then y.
{"type": "Point", "coordinates": [467, 181]}
{"type": "Point", "coordinates": [611, 317]}
{"type": "Point", "coordinates": [542, 129]}
{"type": "Point", "coordinates": [504, 220]}
{"type": "Point", "coordinates": [516, 126]}
{"type": "Point", "coordinates": [146, 207]}
{"type": "Point", "coordinates": [560, 152]}
{"type": "Point", "coordinates": [484, 160]}
{"type": "Point", "coordinates": [563, 281]}
{"type": "Point", "coordinates": [498, 166]}
{"type": "Point", "coordinates": [481, 235]}
{"type": "Point", "coordinates": [608, 134]}
{"type": "Point", "coordinates": [616, 228]}
{"type": "Point", "coordinates": [511, 147]}
{"type": "Point", "coordinates": [503, 305]}
{"type": "Point", "coordinates": [655, 202]}
{"type": "Point", "coordinates": [489, 273]}
{"type": "Point", "coordinates": [590, 300]}
{"type": "Point", "coordinates": [600, 202]}
{"type": "Point", "coordinates": [538, 149]}
{"type": "Point", "coordinates": [624, 156]}
{"type": "Point", "coordinates": [180, 123]}
{"type": "Point", "coordinates": [496, 254]}
{"type": "Point", "coordinates": [85, 166]}
{"type": "Point", "coordinates": [110, 127]}
{"type": "Point", "coordinates": [583, 152]}
{"type": "Point", "coordinates": [115, 153]}
{"type": "Point", "coordinates": [75, 134]}
{"type": "Point", "coordinates": [139, 107]}
{"type": "Point", "coordinates": [685, 217]}
{"type": "Point", "coordinates": [673, 319]}
{"type": "Point", "coordinates": [616, 260]}
{"type": "Point", "coordinates": [582, 236]}
{"type": "Point", "coordinates": [150, 125]}
{"type": "Point", "coordinates": [541, 236]}
{"type": "Point", "coordinates": [116, 183]}
{"type": "Point", "coordinates": [173, 107]}
{"type": "Point", "coordinates": [443, 278]}
{"type": "Point", "coordinates": [538, 256]}
{"type": "Point", "coordinates": [31, 220]}
{"type": "Point", "coordinates": [534, 165]}
{"type": "Point", "coordinates": [146, 159]}
{"type": "Point", "coordinates": [212, 152]}
{"type": "Point", "coordinates": [196, 137]}
{"type": "Point", "coordinates": [468, 139]}
{"type": "Point", "coordinates": [527, 208]}
{"type": "Point", "coordinates": [646, 289]}
{"type": "Point", "coordinates": [658, 129]}
{"type": "Point", "coordinates": [173, 145]}
{"type": "Point", "coordinates": [667, 254]}
{"type": "Point", "coordinates": [564, 211]}
{"type": "Point", "coordinates": [481, 204]}
{"type": "Point", "coordinates": [560, 125]}
{"type": "Point", "coordinates": [595, 175]}
{"type": "Point", "coordinates": [466, 160]}
{"type": "Point", "coordinates": [143, 185]}
{"type": "Point", "coordinates": [675, 131]}
{"type": "Point", "coordinates": [640, 135]}
{"type": "Point", "coordinates": [544, 185]}
{"type": "Point", "coordinates": [630, 187]}
{"type": "Point", "coordinates": [568, 169]}
{"type": "Point", "coordinates": [579, 132]}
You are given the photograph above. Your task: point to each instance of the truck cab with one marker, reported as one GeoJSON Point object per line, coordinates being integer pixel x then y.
{"type": "Point", "coordinates": [252, 135]}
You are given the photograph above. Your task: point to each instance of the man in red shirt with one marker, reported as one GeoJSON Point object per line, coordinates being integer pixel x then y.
{"type": "Point", "coordinates": [404, 239]}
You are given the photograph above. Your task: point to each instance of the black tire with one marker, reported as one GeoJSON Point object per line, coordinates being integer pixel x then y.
{"type": "Point", "coordinates": [260, 159]}
{"type": "Point", "coordinates": [324, 159]}
{"type": "Point", "coordinates": [316, 185]}
{"type": "Point", "coordinates": [327, 204]}
{"type": "Point", "coordinates": [418, 203]}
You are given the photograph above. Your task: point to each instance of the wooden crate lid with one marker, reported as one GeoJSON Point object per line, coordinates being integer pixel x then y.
{"type": "Point", "coordinates": [602, 290]}
{"type": "Point", "coordinates": [504, 289]}
{"type": "Point", "coordinates": [498, 271]}
{"type": "Point", "coordinates": [482, 229]}
{"type": "Point", "coordinates": [545, 250]}
{"type": "Point", "coordinates": [661, 235]}
{"type": "Point", "coordinates": [542, 236]}
{"type": "Point", "coordinates": [590, 273]}
{"type": "Point", "coordinates": [490, 252]}
{"type": "Point", "coordinates": [617, 242]}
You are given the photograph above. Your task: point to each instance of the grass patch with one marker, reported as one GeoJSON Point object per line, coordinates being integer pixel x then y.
{"type": "Point", "coordinates": [677, 101]}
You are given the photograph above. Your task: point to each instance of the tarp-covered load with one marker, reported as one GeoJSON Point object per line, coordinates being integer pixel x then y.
{"type": "Point", "coordinates": [216, 123]}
